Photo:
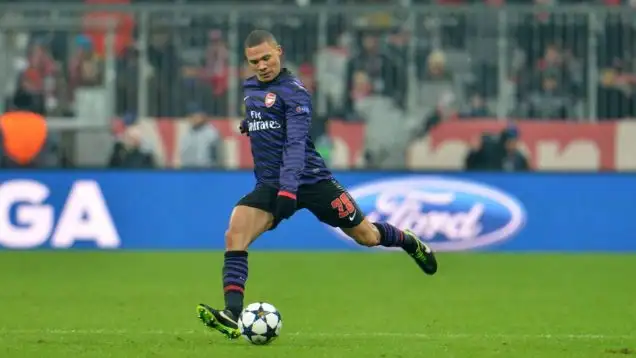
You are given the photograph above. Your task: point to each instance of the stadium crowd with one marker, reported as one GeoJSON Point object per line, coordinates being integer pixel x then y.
{"type": "Point", "coordinates": [416, 69]}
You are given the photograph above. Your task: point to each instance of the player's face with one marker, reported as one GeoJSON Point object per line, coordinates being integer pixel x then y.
{"type": "Point", "coordinates": [264, 60]}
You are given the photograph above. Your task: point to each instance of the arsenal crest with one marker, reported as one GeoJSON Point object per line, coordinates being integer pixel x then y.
{"type": "Point", "coordinates": [270, 99]}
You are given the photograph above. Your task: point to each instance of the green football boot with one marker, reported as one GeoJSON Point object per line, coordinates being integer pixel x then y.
{"type": "Point", "coordinates": [423, 255]}
{"type": "Point", "coordinates": [222, 321]}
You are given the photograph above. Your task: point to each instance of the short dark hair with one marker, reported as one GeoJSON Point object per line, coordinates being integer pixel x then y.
{"type": "Point", "coordinates": [258, 37]}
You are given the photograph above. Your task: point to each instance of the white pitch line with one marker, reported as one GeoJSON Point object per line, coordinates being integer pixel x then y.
{"type": "Point", "coordinates": [431, 336]}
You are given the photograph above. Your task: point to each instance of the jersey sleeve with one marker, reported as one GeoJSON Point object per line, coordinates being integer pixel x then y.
{"type": "Point", "coordinates": [298, 118]}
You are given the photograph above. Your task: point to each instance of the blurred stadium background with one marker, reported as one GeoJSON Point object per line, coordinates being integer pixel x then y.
{"type": "Point", "coordinates": [396, 84]}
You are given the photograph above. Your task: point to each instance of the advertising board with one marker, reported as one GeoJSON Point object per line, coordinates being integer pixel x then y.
{"type": "Point", "coordinates": [189, 210]}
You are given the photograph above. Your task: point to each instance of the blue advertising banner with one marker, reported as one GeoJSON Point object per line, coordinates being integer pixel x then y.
{"type": "Point", "coordinates": [180, 210]}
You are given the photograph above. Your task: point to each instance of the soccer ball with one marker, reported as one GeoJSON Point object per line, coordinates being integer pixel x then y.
{"type": "Point", "coordinates": [260, 323]}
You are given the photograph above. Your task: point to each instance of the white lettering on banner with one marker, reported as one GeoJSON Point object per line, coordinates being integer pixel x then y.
{"type": "Point", "coordinates": [409, 214]}
{"type": "Point", "coordinates": [35, 219]}
{"type": "Point", "coordinates": [450, 214]}
{"type": "Point", "coordinates": [84, 216]}
{"type": "Point", "coordinates": [85, 200]}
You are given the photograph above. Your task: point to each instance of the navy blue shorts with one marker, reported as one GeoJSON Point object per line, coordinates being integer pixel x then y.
{"type": "Point", "coordinates": [326, 199]}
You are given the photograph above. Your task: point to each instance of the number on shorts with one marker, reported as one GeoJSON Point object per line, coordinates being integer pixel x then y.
{"type": "Point", "coordinates": [344, 205]}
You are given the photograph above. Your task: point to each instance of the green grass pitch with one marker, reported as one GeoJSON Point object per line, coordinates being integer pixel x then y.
{"type": "Point", "coordinates": [366, 305]}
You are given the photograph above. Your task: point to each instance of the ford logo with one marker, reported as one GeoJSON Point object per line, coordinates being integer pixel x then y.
{"type": "Point", "coordinates": [449, 214]}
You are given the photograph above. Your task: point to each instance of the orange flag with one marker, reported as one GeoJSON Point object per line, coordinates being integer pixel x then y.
{"type": "Point", "coordinates": [23, 134]}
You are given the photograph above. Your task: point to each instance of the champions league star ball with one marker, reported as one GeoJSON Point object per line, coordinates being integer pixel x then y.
{"type": "Point", "coordinates": [260, 323]}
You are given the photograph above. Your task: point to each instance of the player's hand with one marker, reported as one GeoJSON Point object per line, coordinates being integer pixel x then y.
{"type": "Point", "coordinates": [244, 128]}
{"type": "Point", "coordinates": [285, 205]}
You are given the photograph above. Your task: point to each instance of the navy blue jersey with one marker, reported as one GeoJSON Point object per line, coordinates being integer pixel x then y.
{"type": "Point", "coordinates": [278, 114]}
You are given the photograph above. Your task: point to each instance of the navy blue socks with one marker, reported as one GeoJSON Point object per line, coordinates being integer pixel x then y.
{"type": "Point", "coordinates": [390, 236]}
{"type": "Point", "coordinates": [234, 277]}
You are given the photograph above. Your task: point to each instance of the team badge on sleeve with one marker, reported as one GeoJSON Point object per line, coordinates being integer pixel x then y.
{"type": "Point", "coordinates": [302, 109]}
{"type": "Point", "coordinates": [270, 99]}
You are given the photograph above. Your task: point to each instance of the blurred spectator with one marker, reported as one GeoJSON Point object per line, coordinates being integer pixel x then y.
{"type": "Point", "coordinates": [436, 69]}
{"type": "Point", "coordinates": [437, 91]}
{"type": "Point", "coordinates": [376, 88]}
{"type": "Point", "coordinates": [201, 145]}
{"type": "Point", "coordinates": [209, 80]}
{"type": "Point", "coordinates": [130, 153]}
{"type": "Point", "coordinates": [511, 159]}
{"type": "Point", "coordinates": [617, 93]}
{"type": "Point", "coordinates": [482, 154]}
{"type": "Point", "coordinates": [564, 66]}
{"type": "Point", "coordinates": [217, 71]}
{"type": "Point", "coordinates": [127, 81]}
{"type": "Point", "coordinates": [25, 100]}
{"type": "Point", "coordinates": [372, 71]}
{"type": "Point", "coordinates": [331, 72]}
{"type": "Point", "coordinates": [12, 43]}
{"type": "Point", "coordinates": [165, 92]}
{"type": "Point", "coordinates": [477, 108]}
{"type": "Point", "coordinates": [86, 69]}
{"type": "Point", "coordinates": [551, 102]}
{"type": "Point", "coordinates": [361, 86]}
{"type": "Point", "coordinates": [552, 60]}
{"type": "Point", "coordinates": [398, 46]}
{"type": "Point", "coordinates": [500, 153]}
{"type": "Point", "coordinates": [36, 83]}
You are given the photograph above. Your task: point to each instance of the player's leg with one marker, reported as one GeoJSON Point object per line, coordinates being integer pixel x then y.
{"type": "Point", "coordinates": [333, 205]}
{"type": "Point", "coordinates": [250, 218]}
{"type": "Point", "coordinates": [246, 225]}
{"type": "Point", "coordinates": [371, 234]}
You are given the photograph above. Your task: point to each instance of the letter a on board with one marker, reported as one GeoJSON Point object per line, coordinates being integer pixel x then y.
{"type": "Point", "coordinates": [24, 135]}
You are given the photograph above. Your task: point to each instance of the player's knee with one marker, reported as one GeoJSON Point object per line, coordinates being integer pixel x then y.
{"type": "Point", "coordinates": [364, 234]}
{"type": "Point", "coordinates": [236, 240]}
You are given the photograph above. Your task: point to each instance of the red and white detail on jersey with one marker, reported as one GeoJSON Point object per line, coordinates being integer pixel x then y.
{"type": "Point", "coordinates": [270, 99]}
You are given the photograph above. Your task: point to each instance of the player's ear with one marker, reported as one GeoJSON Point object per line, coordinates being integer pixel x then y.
{"type": "Point", "coordinates": [279, 50]}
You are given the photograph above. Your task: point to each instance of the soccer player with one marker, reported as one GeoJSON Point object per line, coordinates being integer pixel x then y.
{"type": "Point", "coordinates": [290, 175]}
